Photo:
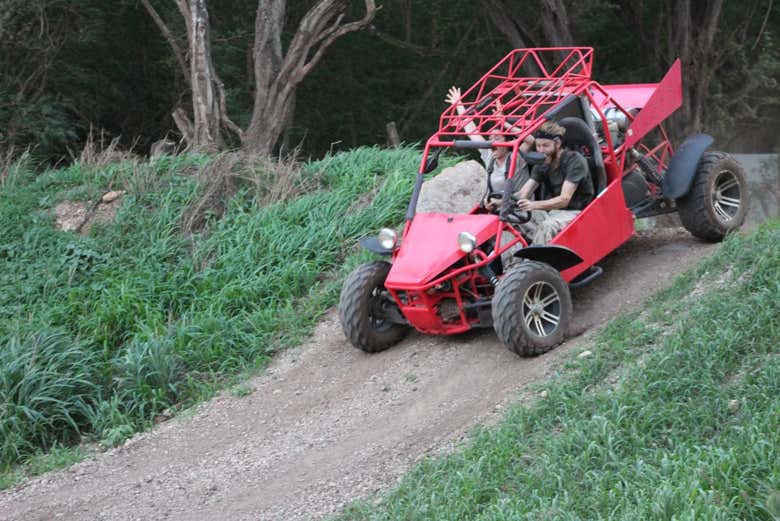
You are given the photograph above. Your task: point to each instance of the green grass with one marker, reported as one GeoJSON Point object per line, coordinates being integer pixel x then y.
{"type": "Point", "coordinates": [40, 462]}
{"type": "Point", "coordinates": [675, 416]}
{"type": "Point", "coordinates": [101, 333]}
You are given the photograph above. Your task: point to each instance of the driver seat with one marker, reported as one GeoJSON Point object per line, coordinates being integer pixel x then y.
{"type": "Point", "coordinates": [580, 137]}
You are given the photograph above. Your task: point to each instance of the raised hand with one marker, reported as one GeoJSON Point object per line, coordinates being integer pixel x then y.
{"type": "Point", "coordinates": [453, 96]}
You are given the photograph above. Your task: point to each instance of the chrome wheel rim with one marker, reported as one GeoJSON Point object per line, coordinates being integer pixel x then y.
{"type": "Point", "coordinates": [541, 309]}
{"type": "Point", "coordinates": [726, 196]}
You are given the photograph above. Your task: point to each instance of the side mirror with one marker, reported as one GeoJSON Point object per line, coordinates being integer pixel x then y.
{"type": "Point", "coordinates": [534, 158]}
{"type": "Point", "coordinates": [432, 162]}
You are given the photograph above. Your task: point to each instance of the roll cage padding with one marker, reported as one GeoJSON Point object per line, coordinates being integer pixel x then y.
{"type": "Point", "coordinates": [566, 108]}
{"type": "Point", "coordinates": [678, 178]}
{"type": "Point", "coordinates": [559, 257]}
{"type": "Point", "coordinates": [579, 134]}
{"type": "Point", "coordinates": [467, 143]}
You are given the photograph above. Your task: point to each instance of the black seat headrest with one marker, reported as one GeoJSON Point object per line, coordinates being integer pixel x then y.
{"type": "Point", "coordinates": [577, 132]}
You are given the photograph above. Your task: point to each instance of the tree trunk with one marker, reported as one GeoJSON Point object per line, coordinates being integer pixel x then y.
{"type": "Point", "coordinates": [555, 27]}
{"type": "Point", "coordinates": [393, 139]}
{"type": "Point", "coordinates": [203, 81]}
{"type": "Point", "coordinates": [202, 131]}
{"type": "Point", "coordinates": [277, 76]}
{"type": "Point", "coordinates": [687, 31]}
{"type": "Point", "coordinates": [512, 27]}
{"type": "Point", "coordinates": [692, 38]}
{"type": "Point", "coordinates": [555, 24]}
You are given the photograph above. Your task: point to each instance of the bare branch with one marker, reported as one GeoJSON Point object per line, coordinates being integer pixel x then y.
{"type": "Point", "coordinates": [226, 121]}
{"type": "Point", "coordinates": [763, 26]}
{"type": "Point", "coordinates": [406, 119]}
{"type": "Point", "coordinates": [407, 44]}
{"type": "Point", "coordinates": [517, 34]}
{"type": "Point", "coordinates": [555, 23]}
{"type": "Point", "coordinates": [337, 31]}
{"type": "Point", "coordinates": [177, 52]}
{"type": "Point", "coordinates": [184, 124]}
{"type": "Point", "coordinates": [184, 9]}
{"type": "Point", "coordinates": [267, 48]}
{"type": "Point", "coordinates": [711, 23]}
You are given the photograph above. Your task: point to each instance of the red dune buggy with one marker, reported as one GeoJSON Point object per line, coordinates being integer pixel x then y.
{"type": "Point", "coordinates": [446, 275]}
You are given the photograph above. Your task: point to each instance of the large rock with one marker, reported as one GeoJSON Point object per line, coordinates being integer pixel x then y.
{"type": "Point", "coordinates": [456, 189]}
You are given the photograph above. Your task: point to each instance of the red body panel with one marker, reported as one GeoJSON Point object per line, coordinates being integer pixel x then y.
{"type": "Point", "coordinates": [665, 100]}
{"type": "Point", "coordinates": [627, 96]}
{"type": "Point", "coordinates": [430, 246]}
{"type": "Point", "coordinates": [603, 226]}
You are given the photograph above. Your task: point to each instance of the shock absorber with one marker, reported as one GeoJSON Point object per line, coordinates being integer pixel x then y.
{"type": "Point", "coordinates": [489, 274]}
{"type": "Point", "coordinates": [646, 167]}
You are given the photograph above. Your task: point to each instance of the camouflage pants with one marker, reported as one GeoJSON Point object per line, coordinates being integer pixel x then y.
{"type": "Point", "coordinates": [544, 225]}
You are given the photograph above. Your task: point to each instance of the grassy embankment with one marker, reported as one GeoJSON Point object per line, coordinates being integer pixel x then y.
{"type": "Point", "coordinates": [101, 332]}
{"type": "Point", "coordinates": [676, 415]}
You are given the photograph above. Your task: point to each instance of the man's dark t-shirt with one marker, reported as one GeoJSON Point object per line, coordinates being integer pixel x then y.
{"type": "Point", "coordinates": [572, 167]}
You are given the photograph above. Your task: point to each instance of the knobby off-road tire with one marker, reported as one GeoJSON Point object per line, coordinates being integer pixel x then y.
{"type": "Point", "coordinates": [360, 309]}
{"type": "Point", "coordinates": [718, 199]}
{"type": "Point", "coordinates": [531, 308]}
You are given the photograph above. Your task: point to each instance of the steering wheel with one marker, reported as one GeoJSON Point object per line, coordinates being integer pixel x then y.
{"type": "Point", "coordinates": [508, 211]}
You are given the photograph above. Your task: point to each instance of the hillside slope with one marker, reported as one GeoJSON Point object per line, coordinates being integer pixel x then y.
{"type": "Point", "coordinates": [327, 424]}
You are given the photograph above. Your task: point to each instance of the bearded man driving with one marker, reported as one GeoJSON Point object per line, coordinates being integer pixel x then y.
{"type": "Point", "coordinates": [567, 187]}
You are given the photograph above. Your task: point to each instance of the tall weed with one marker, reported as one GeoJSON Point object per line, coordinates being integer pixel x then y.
{"type": "Point", "coordinates": [47, 387]}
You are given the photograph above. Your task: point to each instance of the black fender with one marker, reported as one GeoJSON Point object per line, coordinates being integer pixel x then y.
{"type": "Point", "coordinates": [559, 257]}
{"type": "Point", "coordinates": [678, 178]}
{"type": "Point", "coordinates": [372, 244]}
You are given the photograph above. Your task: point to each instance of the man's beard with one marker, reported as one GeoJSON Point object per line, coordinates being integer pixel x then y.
{"type": "Point", "coordinates": [552, 157]}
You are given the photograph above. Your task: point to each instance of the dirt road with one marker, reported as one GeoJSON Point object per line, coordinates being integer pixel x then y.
{"type": "Point", "coordinates": [326, 423]}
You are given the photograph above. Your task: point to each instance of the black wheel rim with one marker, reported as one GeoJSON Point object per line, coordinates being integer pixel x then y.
{"type": "Point", "coordinates": [726, 196]}
{"type": "Point", "coordinates": [376, 310]}
{"type": "Point", "coordinates": [541, 309]}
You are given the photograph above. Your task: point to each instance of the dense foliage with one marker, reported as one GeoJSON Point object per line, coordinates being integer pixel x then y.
{"type": "Point", "coordinates": [70, 65]}
{"type": "Point", "coordinates": [676, 415]}
{"type": "Point", "coordinates": [101, 332]}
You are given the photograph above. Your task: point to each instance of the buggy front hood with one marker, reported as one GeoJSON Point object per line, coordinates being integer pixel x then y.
{"type": "Point", "coordinates": [431, 246]}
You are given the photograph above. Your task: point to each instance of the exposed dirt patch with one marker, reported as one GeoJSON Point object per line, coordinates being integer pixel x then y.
{"type": "Point", "coordinates": [77, 216]}
{"type": "Point", "coordinates": [70, 215]}
{"type": "Point", "coordinates": [327, 423]}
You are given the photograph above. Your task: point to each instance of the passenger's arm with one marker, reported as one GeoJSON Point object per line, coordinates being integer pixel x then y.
{"type": "Point", "coordinates": [453, 98]}
{"type": "Point", "coordinates": [510, 127]}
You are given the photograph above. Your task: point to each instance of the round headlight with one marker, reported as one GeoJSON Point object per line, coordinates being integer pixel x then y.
{"type": "Point", "coordinates": [466, 242]}
{"type": "Point", "coordinates": [387, 238]}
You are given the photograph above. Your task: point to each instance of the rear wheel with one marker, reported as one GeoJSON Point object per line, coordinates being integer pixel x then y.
{"type": "Point", "coordinates": [717, 201]}
{"type": "Point", "coordinates": [531, 309]}
{"type": "Point", "coordinates": [363, 309]}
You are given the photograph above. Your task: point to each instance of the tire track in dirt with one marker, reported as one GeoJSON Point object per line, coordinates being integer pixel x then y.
{"type": "Point", "coordinates": [326, 423]}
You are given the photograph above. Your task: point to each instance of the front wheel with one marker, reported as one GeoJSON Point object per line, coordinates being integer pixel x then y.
{"type": "Point", "coordinates": [717, 201]}
{"type": "Point", "coordinates": [531, 309]}
{"type": "Point", "coordinates": [363, 309]}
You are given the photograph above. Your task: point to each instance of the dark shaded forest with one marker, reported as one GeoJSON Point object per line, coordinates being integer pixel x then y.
{"type": "Point", "coordinates": [121, 68]}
